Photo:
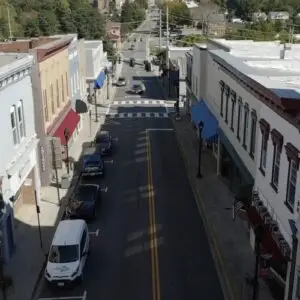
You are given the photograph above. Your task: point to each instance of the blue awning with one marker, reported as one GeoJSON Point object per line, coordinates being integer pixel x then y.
{"type": "Point", "coordinates": [99, 82]}
{"type": "Point", "coordinates": [200, 112]}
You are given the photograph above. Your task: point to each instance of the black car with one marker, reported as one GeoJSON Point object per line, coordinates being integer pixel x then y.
{"type": "Point", "coordinates": [83, 204]}
{"type": "Point", "coordinates": [103, 140]}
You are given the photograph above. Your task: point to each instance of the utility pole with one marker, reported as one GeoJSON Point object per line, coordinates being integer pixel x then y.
{"type": "Point", "coordinates": [160, 29]}
{"type": "Point", "coordinates": [9, 24]}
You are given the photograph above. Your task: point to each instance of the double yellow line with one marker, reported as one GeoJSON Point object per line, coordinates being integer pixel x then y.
{"type": "Point", "coordinates": [152, 217]}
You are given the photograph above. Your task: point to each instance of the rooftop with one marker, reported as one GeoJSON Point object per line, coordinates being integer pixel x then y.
{"type": "Point", "coordinates": [271, 64]}
{"type": "Point", "coordinates": [67, 232]}
{"type": "Point", "coordinates": [8, 58]}
{"type": "Point", "coordinates": [93, 44]}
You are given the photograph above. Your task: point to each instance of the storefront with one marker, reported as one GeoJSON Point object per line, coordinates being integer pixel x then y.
{"type": "Point", "coordinates": [20, 186]}
{"type": "Point", "coordinates": [190, 100]}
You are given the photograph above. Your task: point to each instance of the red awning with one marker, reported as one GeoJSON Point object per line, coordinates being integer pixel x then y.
{"type": "Point", "coordinates": [70, 122]}
{"type": "Point", "coordinates": [268, 242]}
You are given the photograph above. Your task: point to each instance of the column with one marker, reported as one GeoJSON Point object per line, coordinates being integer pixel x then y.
{"type": "Point", "coordinates": [219, 157]}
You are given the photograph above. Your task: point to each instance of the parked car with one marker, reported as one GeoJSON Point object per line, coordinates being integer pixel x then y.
{"type": "Point", "coordinates": [138, 88]}
{"type": "Point", "coordinates": [104, 141]}
{"type": "Point", "coordinates": [121, 81]}
{"type": "Point", "coordinates": [83, 204]}
{"type": "Point", "coordinates": [68, 253]}
{"type": "Point", "coordinates": [93, 164]}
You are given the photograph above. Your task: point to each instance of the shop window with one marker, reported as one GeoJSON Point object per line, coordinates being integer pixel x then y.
{"type": "Point", "coordinates": [52, 99]}
{"type": "Point", "coordinates": [222, 86]}
{"type": "Point", "coordinates": [21, 119]}
{"type": "Point", "coordinates": [46, 111]}
{"type": "Point", "coordinates": [253, 133]}
{"type": "Point", "coordinates": [13, 122]}
{"type": "Point", "coordinates": [233, 102]}
{"type": "Point", "coordinates": [227, 93]}
{"type": "Point", "coordinates": [238, 127]}
{"type": "Point", "coordinates": [246, 125]}
{"type": "Point", "coordinates": [277, 139]}
{"type": "Point", "coordinates": [293, 158]}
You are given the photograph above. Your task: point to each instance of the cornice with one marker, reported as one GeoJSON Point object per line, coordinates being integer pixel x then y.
{"type": "Point", "coordinates": [15, 71]}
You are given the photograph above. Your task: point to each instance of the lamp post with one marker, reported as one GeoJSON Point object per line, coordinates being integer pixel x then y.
{"type": "Point", "coordinates": [200, 129]}
{"type": "Point", "coordinates": [38, 211]}
{"type": "Point", "coordinates": [108, 82]}
{"type": "Point", "coordinates": [67, 136]}
{"type": "Point", "coordinates": [259, 233]}
{"type": "Point", "coordinates": [96, 111]}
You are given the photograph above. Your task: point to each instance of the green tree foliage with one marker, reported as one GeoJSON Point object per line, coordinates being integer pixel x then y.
{"type": "Point", "coordinates": [179, 14]}
{"type": "Point", "coordinates": [47, 17]}
{"type": "Point", "coordinates": [190, 40]}
{"type": "Point", "coordinates": [132, 14]}
{"type": "Point", "coordinates": [109, 48]}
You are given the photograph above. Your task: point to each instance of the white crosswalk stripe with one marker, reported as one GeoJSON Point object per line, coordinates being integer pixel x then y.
{"type": "Point", "coordinates": [140, 102]}
{"type": "Point", "coordinates": [139, 115]}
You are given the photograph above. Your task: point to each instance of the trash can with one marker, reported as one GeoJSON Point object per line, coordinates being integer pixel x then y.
{"type": "Point", "coordinates": [65, 181]}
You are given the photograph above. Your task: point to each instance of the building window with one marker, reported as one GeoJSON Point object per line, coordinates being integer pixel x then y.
{"type": "Point", "coordinates": [52, 99]}
{"type": "Point", "coordinates": [253, 133]}
{"type": "Point", "coordinates": [227, 92]}
{"type": "Point", "coordinates": [57, 94]}
{"type": "Point", "coordinates": [62, 89]}
{"type": "Point", "coordinates": [233, 102]}
{"type": "Point", "coordinates": [13, 122]}
{"type": "Point", "coordinates": [21, 120]}
{"type": "Point", "coordinates": [222, 86]}
{"type": "Point", "coordinates": [67, 84]}
{"type": "Point", "coordinates": [277, 139]}
{"type": "Point", "coordinates": [291, 185]}
{"type": "Point", "coordinates": [46, 111]}
{"type": "Point", "coordinates": [265, 131]}
{"type": "Point", "coordinates": [239, 116]}
{"type": "Point", "coordinates": [293, 158]}
{"type": "Point", "coordinates": [246, 125]}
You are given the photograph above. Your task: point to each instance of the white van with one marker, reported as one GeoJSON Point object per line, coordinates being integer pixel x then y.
{"type": "Point", "coordinates": [68, 253]}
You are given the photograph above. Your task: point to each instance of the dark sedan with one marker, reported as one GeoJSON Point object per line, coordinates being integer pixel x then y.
{"type": "Point", "coordinates": [103, 140]}
{"type": "Point", "coordinates": [84, 202]}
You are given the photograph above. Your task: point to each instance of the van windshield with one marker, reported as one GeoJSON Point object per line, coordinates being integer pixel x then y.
{"type": "Point", "coordinates": [64, 254]}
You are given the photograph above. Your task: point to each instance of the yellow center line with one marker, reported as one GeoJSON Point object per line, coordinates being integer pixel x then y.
{"type": "Point", "coordinates": [152, 217]}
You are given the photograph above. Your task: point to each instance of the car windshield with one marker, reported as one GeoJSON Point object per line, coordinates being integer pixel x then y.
{"type": "Point", "coordinates": [102, 138]}
{"type": "Point", "coordinates": [121, 79]}
{"type": "Point", "coordinates": [86, 193]}
{"type": "Point", "coordinates": [136, 86]}
{"type": "Point", "coordinates": [64, 254]}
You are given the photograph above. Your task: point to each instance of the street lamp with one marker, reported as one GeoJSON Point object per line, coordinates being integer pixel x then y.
{"type": "Point", "coordinates": [200, 129]}
{"type": "Point", "coordinates": [259, 234]}
{"type": "Point", "coordinates": [108, 82]}
{"type": "Point", "coordinates": [67, 136]}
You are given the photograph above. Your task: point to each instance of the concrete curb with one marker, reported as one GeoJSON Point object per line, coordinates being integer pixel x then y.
{"type": "Point", "coordinates": [221, 267]}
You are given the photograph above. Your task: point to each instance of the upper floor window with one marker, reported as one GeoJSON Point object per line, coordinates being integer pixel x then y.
{"type": "Point", "coordinates": [277, 140]}
{"type": "Point", "coordinates": [13, 122]}
{"type": "Point", "coordinates": [227, 93]}
{"type": "Point", "coordinates": [62, 89]}
{"type": "Point", "coordinates": [222, 87]}
{"type": "Point", "coordinates": [246, 125]}
{"type": "Point", "coordinates": [67, 84]}
{"type": "Point", "coordinates": [52, 99]}
{"type": "Point", "coordinates": [239, 118]}
{"type": "Point", "coordinates": [72, 85]}
{"type": "Point", "coordinates": [265, 131]}
{"type": "Point", "coordinates": [253, 133]}
{"type": "Point", "coordinates": [233, 102]}
{"type": "Point", "coordinates": [21, 119]}
{"type": "Point", "coordinates": [293, 159]}
{"type": "Point", "coordinates": [57, 94]}
{"type": "Point", "coordinates": [45, 102]}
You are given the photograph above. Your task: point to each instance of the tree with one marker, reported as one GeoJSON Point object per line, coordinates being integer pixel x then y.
{"type": "Point", "coordinates": [190, 40]}
{"type": "Point", "coordinates": [142, 3]}
{"type": "Point", "coordinates": [132, 14]}
{"type": "Point", "coordinates": [108, 47]}
{"type": "Point", "coordinates": [179, 14]}
{"type": "Point", "coordinates": [48, 23]}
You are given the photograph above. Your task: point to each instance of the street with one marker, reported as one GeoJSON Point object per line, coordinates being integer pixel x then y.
{"type": "Point", "coordinates": [152, 243]}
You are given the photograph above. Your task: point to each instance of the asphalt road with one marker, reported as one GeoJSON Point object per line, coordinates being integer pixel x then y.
{"type": "Point", "coordinates": [152, 243]}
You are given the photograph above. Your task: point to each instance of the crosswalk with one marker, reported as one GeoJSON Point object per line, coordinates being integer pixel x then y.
{"type": "Point", "coordinates": [139, 115]}
{"type": "Point", "coordinates": [140, 102]}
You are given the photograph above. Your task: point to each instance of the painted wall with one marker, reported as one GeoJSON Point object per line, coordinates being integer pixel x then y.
{"type": "Point", "coordinates": [82, 68]}
{"type": "Point", "coordinates": [213, 99]}
{"type": "Point", "coordinates": [94, 58]}
{"type": "Point", "coordinates": [275, 201]}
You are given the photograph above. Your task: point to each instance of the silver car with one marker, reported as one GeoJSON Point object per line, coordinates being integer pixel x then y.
{"type": "Point", "coordinates": [121, 81]}
{"type": "Point", "coordinates": [138, 88]}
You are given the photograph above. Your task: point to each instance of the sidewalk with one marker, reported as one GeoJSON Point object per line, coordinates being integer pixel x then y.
{"type": "Point", "coordinates": [26, 265]}
{"type": "Point", "coordinates": [229, 240]}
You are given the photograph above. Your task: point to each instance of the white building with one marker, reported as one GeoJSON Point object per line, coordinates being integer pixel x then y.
{"type": "Point", "coordinates": [19, 175]}
{"type": "Point", "coordinates": [96, 64]}
{"type": "Point", "coordinates": [252, 90]}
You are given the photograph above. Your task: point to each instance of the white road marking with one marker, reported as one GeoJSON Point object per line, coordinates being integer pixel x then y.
{"type": "Point", "coordinates": [138, 115]}
{"type": "Point", "coordinates": [108, 109]}
{"type": "Point", "coordinates": [109, 161]}
{"type": "Point", "coordinates": [105, 190]}
{"type": "Point", "coordinates": [142, 102]}
{"type": "Point", "coordinates": [95, 233]}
